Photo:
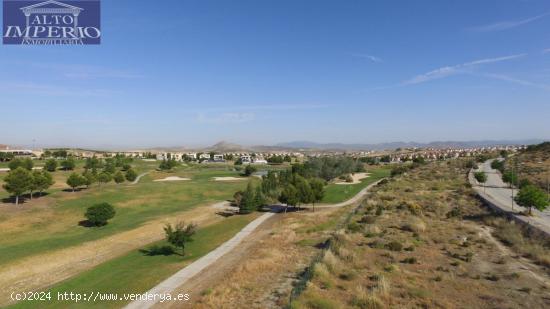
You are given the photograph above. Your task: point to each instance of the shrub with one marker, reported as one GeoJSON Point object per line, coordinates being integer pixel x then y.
{"type": "Point", "coordinates": [160, 250]}
{"type": "Point", "coordinates": [354, 227]}
{"type": "Point", "coordinates": [99, 214]}
{"type": "Point", "coordinates": [409, 260]}
{"type": "Point", "coordinates": [394, 246]}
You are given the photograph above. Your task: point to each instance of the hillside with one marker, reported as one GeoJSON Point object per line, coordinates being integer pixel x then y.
{"type": "Point", "coordinates": [424, 241]}
{"type": "Point", "coordinates": [534, 164]}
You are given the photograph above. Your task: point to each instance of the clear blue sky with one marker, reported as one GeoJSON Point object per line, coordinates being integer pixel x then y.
{"type": "Point", "coordinates": [177, 72]}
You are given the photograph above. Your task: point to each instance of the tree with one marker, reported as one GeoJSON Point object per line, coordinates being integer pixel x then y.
{"type": "Point", "coordinates": [42, 181]}
{"type": "Point", "coordinates": [18, 182]}
{"type": "Point", "coordinates": [318, 190]}
{"type": "Point", "coordinates": [167, 164]}
{"type": "Point", "coordinates": [259, 199]}
{"type": "Point", "coordinates": [247, 204]}
{"type": "Point", "coordinates": [289, 196]}
{"type": "Point", "coordinates": [68, 164]}
{"type": "Point", "coordinates": [481, 177]}
{"type": "Point", "coordinates": [305, 194]}
{"type": "Point", "coordinates": [530, 196]}
{"type": "Point", "coordinates": [16, 163]}
{"type": "Point", "coordinates": [131, 175]}
{"type": "Point", "coordinates": [109, 167]}
{"type": "Point", "coordinates": [90, 178]}
{"type": "Point", "coordinates": [104, 178]}
{"type": "Point", "coordinates": [99, 214]}
{"type": "Point", "coordinates": [76, 180]}
{"type": "Point", "coordinates": [119, 177]}
{"type": "Point", "coordinates": [180, 234]}
{"type": "Point", "coordinates": [249, 170]}
{"type": "Point", "coordinates": [51, 165]}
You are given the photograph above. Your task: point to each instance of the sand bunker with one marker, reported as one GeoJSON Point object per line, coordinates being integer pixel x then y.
{"type": "Point", "coordinates": [227, 178]}
{"type": "Point", "coordinates": [173, 178]}
{"type": "Point", "coordinates": [357, 177]}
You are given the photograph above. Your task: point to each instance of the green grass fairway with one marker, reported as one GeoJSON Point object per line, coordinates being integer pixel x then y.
{"type": "Point", "coordinates": [51, 222]}
{"type": "Point", "coordinates": [137, 272]}
{"type": "Point", "coordinates": [339, 193]}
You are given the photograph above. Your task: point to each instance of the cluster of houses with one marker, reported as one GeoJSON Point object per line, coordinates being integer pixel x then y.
{"type": "Point", "coordinates": [431, 154]}
{"type": "Point", "coordinates": [263, 157]}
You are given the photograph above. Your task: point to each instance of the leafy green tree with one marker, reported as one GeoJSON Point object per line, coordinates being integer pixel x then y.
{"type": "Point", "coordinates": [24, 163]}
{"type": "Point", "coordinates": [481, 177]}
{"type": "Point", "coordinates": [109, 168]}
{"type": "Point", "coordinates": [530, 196]}
{"type": "Point", "coordinates": [119, 177]}
{"type": "Point", "coordinates": [318, 190]}
{"type": "Point", "coordinates": [42, 181]}
{"type": "Point", "coordinates": [99, 214]}
{"type": "Point", "coordinates": [510, 177]}
{"type": "Point", "coordinates": [69, 164]}
{"type": "Point", "coordinates": [259, 199]}
{"type": "Point", "coordinates": [131, 175]}
{"type": "Point", "coordinates": [75, 180]}
{"type": "Point", "coordinates": [289, 196]}
{"type": "Point", "coordinates": [249, 170]}
{"type": "Point", "coordinates": [247, 204]}
{"type": "Point", "coordinates": [17, 182]}
{"type": "Point", "coordinates": [180, 234]}
{"type": "Point", "coordinates": [51, 165]}
{"type": "Point", "coordinates": [104, 178]}
{"type": "Point", "coordinates": [166, 165]}
{"type": "Point", "coordinates": [93, 163]}
{"type": "Point", "coordinates": [89, 177]}
{"type": "Point", "coordinates": [305, 194]}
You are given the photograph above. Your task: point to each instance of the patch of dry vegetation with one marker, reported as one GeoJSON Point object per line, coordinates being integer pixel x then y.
{"type": "Point", "coordinates": [265, 276]}
{"type": "Point", "coordinates": [423, 240]}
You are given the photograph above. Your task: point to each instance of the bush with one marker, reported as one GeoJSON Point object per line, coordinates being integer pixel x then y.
{"type": "Point", "coordinates": [131, 175]}
{"type": "Point", "coordinates": [99, 214]}
{"type": "Point", "coordinates": [394, 246]}
{"type": "Point", "coordinates": [354, 227]}
{"type": "Point", "coordinates": [160, 250]}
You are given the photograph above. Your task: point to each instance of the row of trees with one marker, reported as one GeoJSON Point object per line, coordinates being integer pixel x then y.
{"type": "Point", "coordinates": [21, 181]}
{"type": "Point", "coordinates": [279, 159]}
{"type": "Point", "coordinates": [88, 178]}
{"type": "Point", "coordinates": [6, 156]}
{"type": "Point", "coordinates": [288, 187]}
{"type": "Point", "coordinates": [328, 168]}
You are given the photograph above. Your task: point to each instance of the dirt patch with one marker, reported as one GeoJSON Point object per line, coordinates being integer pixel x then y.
{"type": "Point", "coordinates": [357, 177]}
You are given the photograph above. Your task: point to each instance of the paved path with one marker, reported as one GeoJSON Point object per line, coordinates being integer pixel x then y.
{"type": "Point", "coordinates": [138, 178]}
{"type": "Point", "coordinates": [180, 278]}
{"type": "Point", "coordinates": [499, 194]}
{"type": "Point", "coordinates": [171, 284]}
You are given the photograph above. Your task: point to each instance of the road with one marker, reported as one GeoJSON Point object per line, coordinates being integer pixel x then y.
{"type": "Point", "coordinates": [501, 194]}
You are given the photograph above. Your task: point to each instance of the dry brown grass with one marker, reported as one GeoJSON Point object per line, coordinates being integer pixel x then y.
{"type": "Point", "coordinates": [264, 278]}
{"type": "Point", "coordinates": [445, 262]}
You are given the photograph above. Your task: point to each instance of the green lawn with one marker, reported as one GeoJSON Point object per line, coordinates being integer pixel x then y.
{"type": "Point", "coordinates": [137, 272]}
{"type": "Point", "coordinates": [335, 193]}
{"type": "Point", "coordinates": [56, 226]}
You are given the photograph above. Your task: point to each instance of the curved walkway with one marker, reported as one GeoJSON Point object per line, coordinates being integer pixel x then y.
{"type": "Point", "coordinates": [171, 284]}
{"type": "Point", "coordinates": [138, 178]}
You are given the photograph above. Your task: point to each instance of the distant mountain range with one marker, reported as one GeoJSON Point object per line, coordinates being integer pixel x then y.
{"type": "Point", "coordinates": [395, 145]}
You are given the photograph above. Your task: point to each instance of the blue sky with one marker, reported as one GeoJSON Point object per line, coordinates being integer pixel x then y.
{"type": "Point", "coordinates": [178, 72]}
